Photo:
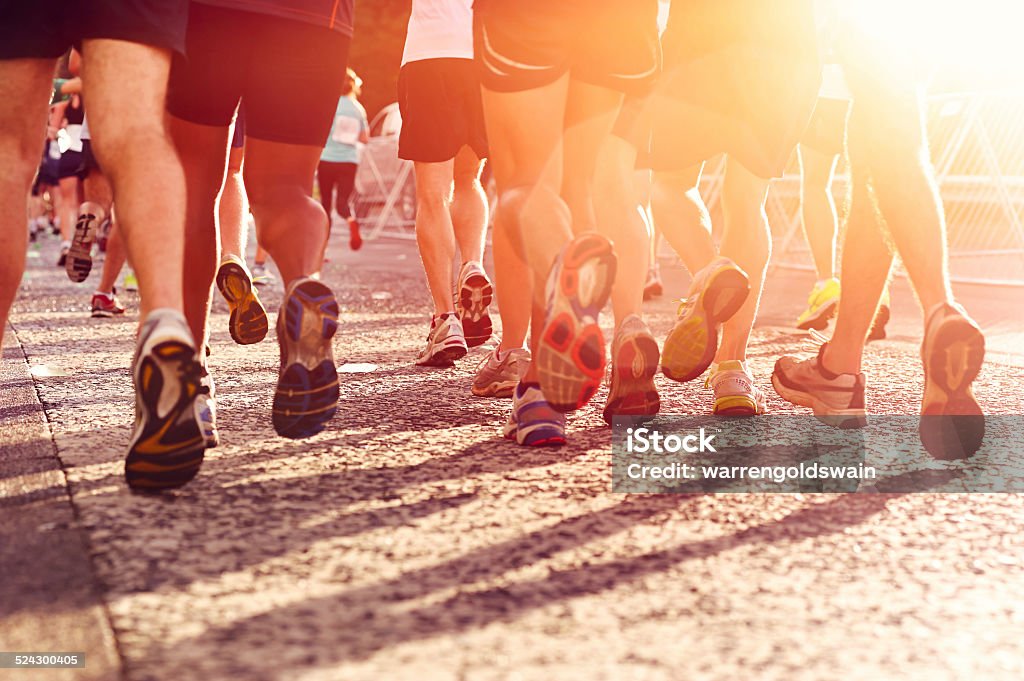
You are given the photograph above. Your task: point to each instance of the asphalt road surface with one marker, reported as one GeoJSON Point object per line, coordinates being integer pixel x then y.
{"type": "Point", "coordinates": [409, 541]}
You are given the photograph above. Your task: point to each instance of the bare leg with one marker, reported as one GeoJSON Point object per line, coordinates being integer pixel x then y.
{"type": "Point", "coordinates": [435, 234]}
{"type": "Point", "coordinates": [619, 218]}
{"type": "Point", "coordinates": [887, 134]}
{"type": "Point", "coordinates": [513, 285]}
{"type": "Point", "coordinates": [290, 224]}
{"type": "Point", "coordinates": [68, 190]}
{"type": "Point", "coordinates": [469, 206]}
{"type": "Point", "coordinates": [125, 84]}
{"type": "Point", "coordinates": [747, 242]}
{"type": "Point", "coordinates": [232, 208]}
{"type": "Point", "coordinates": [526, 128]}
{"type": "Point", "coordinates": [682, 217]}
{"type": "Point", "coordinates": [867, 261]}
{"type": "Point", "coordinates": [114, 261]}
{"type": "Point", "coordinates": [818, 208]}
{"type": "Point", "coordinates": [203, 153]}
{"type": "Point", "coordinates": [24, 92]}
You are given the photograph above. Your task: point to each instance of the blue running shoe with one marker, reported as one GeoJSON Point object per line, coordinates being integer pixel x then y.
{"type": "Point", "coordinates": [533, 423]}
{"type": "Point", "coordinates": [307, 386]}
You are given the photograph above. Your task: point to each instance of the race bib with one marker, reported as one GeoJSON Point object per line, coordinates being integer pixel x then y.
{"type": "Point", "coordinates": [346, 130]}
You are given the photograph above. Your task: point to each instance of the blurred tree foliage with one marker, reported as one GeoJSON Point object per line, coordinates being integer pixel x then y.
{"type": "Point", "coordinates": [376, 53]}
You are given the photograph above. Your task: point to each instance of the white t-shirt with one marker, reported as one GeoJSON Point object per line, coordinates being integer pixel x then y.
{"type": "Point", "coordinates": [439, 29]}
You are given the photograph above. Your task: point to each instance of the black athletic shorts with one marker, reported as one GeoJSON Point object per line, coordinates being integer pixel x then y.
{"type": "Point", "coordinates": [70, 165]}
{"type": "Point", "coordinates": [741, 77]}
{"type": "Point", "coordinates": [289, 74]}
{"type": "Point", "coordinates": [441, 110]}
{"type": "Point", "coordinates": [45, 29]}
{"type": "Point", "coordinates": [48, 170]}
{"type": "Point", "coordinates": [527, 44]}
{"type": "Point", "coordinates": [89, 162]}
{"type": "Point", "coordinates": [826, 133]}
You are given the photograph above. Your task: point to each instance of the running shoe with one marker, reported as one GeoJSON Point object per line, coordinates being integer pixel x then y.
{"type": "Point", "coordinates": [570, 357]}
{"type": "Point", "coordinates": [355, 239]}
{"type": "Point", "coordinates": [821, 305]}
{"type": "Point", "coordinates": [261, 276]}
{"type": "Point", "coordinates": [882, 316]}
{"type": "Point", "coordinates": [106, 305]}
{"type": "Point", "coordinates": [307, 387]}
{"type": "Point", "coordinates": [206, 409]}
{"type": "Point", "coordinates": [838, 398]}
{"type": "Point", "coordinates": [131, 282]}
{"type": "Point", "coordinates": [952, 423]}
{"type": "Point", "coordinates": [62, 259]}
{"type": "Point", "coordinates": [634, 363]}
{"type": "Point", "coordinates": [653, 288]}
{"type": "Point", "coordinates": [78, 263]}
{"type": "Point", "coordinates": [473, 302]}
{"type": "Point", "coordinates": [716, 294]}
{"type": "Point", "coordinates": [167, 444]}
{"type": "Point", "coordinates": [446, 342]}
{"type": "Point", "coordinates": [736, 394]}
{"type": "Point", "coordinates": [533, 422]}
{"type": "Point", "coordinates": [248, 321]}
{"type": "Point", "coordinates": [497, 375]}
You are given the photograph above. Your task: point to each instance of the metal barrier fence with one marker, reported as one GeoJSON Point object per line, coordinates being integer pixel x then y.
{"type": "Point", "coordinates": [977, 145]}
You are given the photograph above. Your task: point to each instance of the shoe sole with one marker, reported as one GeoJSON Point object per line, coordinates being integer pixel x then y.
{"type": "Point", "coordinates": [571, 354]}
{"type": "Point", "coordinates": [248, 323]}
{"type": "Point", "coordinates": [633, 392]}
{"type": "Point", "coordinates": [549, 441]}
{"type": "Point", "coordinates": [307, 391]}
{"type": "Point", "coordinates": [164, 453]}
{"type": "Point", "coordinates": [837, 418]}
{"type": "Point", "coordinates": [691, 345]}
{"type": "Point", "coordinates": [446, 356]}
{"type": "Point", "coordinates": [474, 301]}
{"type": "Point", "coordinates": [78, 263]}
{"type": "Point", "coordinates": [737, 406]}
{"type": "Point", "coordinates": [952, 424]}
{"type": "Point", "coordinates": [820, 319]}
{"type": "Point", "coordinates": [102, 314]}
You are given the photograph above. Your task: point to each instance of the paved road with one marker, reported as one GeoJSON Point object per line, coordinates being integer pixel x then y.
{"type": "Point", "coordinates": [409, 541]}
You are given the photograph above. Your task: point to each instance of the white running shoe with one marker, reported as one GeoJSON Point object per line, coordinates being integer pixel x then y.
{"type": "Point", "coordinates": [446, 342]}
{"type": "Point", "coordinates": [736, 394]}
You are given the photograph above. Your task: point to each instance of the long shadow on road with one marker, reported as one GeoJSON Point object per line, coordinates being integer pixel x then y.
{"type": "Point", "coordinates": [358, 623]}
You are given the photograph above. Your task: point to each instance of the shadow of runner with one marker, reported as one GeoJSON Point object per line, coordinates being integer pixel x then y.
{"type": "Point", "coordinates": [358, 623]}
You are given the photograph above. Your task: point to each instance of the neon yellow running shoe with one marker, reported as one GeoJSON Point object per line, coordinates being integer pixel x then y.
{"type": "Point", "coordinates": [821, 305]}
{"type": "Point", "coordinates": [717, 293]}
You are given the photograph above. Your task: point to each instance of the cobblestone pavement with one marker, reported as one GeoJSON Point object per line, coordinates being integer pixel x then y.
{"type": "Point", "coordinates": [409, 541]}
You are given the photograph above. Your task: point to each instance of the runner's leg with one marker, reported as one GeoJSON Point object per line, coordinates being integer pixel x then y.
{"type": "Point", "coordinates": [818, 209]}
{"type": "Point", "coordinates": [435, 234]}
{"type": "Point", "coordinates": [682, 218]}
{"type": "Point", "coordinates": [24, 91]}
{"type": "Point", "coordinates": [126, 87]}
{"type": "Point", "coordinates": [747, 242]}
{"type": "Point", "coordinates": [469, 206]}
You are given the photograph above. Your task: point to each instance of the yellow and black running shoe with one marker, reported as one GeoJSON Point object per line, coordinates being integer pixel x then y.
{"type": "Point", "coordinates": [167, 445]}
